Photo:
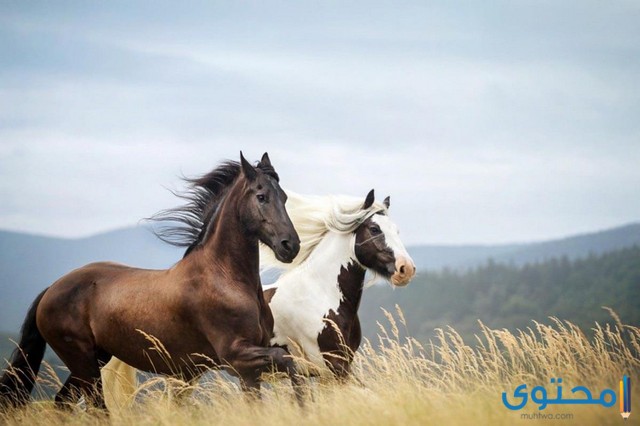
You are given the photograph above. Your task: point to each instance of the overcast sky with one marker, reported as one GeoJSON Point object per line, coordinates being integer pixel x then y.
{"type": "Point", "coordinates": [486, 122]}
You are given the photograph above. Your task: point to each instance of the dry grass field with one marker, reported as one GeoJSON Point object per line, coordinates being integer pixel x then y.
{"type": "Point", "coordinates": [401, 381]}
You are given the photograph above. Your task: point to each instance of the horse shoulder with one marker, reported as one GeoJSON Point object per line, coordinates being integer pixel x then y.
{"type": "Point", "coordinates": [229, 307]}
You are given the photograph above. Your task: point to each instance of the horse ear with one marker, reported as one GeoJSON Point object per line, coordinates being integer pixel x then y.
{"type": "Point", "coordinates": [387, 201]}
{"type": "Point", "coordinates": [265, 161]}
{"type": "Point", "coordinates": [247, 169]}
{"type": "Point", "coordinates": [368, 202]}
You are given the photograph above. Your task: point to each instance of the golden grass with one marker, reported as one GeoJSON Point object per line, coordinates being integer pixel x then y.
{"type": "Point", "coordinates": [401, 381]}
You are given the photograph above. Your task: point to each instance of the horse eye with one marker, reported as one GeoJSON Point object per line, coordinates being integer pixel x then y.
{"type": "Point", "coordinates": [375, 230]}
{"type": "Point", "coordinates": [261, 198]}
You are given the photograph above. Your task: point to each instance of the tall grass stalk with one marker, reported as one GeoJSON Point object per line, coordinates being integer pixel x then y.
{"type": "Point", "coordinates": [397, 380]}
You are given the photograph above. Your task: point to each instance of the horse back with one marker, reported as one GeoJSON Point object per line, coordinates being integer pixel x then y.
{"type": "Point", "coordinates": [75, 303]}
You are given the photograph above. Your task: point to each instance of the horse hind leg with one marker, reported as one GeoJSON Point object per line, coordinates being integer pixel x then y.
{"type": "Point", "coordinates": [84, 379]}
{"type": "Point", "coordinates": [69, 393]}
{"type": "Point", "coordinates": [339, 366]}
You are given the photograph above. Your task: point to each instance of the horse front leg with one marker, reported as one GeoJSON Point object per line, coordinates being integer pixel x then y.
{"type": "Point", "coordinates": [251, 361]}
{"type": "Point", "coordinates": [250, 384]}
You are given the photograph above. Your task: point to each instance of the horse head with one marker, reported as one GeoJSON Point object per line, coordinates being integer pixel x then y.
{"type": "Point", "coordinates": [262, 209]}
{"type": "Point", "coordinates": [378, 246]}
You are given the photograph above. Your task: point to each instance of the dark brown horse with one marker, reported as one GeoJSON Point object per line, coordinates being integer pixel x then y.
{"type": "Point", "coordinates": [207, 311]}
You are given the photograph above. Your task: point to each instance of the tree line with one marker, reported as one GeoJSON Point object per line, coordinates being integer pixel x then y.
{"type": "Point", "coordinates": [510, 296]}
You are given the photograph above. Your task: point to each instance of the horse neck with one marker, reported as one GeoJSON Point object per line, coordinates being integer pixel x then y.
{"type": "Point", "coordinates": [334, 263]}
{"type": "Point", "coordinates": [229, 247]}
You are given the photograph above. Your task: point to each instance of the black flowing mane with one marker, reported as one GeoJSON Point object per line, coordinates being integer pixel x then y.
{"type": "Point", "coordinates": [186, 225]}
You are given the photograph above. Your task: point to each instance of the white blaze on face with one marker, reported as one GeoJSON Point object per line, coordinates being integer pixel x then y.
{"type": "Point", "coordinates": [405, 268]}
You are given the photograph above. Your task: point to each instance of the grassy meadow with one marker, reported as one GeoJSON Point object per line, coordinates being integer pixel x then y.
{"type": "Point", "coordinates": [399, 381]}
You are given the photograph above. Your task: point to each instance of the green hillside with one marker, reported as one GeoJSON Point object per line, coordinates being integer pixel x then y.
{"type": "Point", "coordinates": [509, 296]}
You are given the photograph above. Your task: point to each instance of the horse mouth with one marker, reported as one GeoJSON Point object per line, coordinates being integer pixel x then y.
{"type": "Point", "coordinates": [287, 255]}
{"type": "Point", "coordinates": [400, 281]}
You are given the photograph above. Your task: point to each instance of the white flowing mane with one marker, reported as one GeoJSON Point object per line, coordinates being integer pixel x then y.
{"type": "Point", "coordinates": [313, 216]}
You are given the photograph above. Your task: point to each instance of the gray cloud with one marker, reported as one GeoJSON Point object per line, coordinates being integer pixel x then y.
{"type": "Point", "coordinates": [485, 122]}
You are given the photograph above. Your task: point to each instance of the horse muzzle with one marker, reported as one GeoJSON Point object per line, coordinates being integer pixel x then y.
{"type": "Point", "coordinates": [404, 273]}
{"type": "Point", "coordinates": [287, 250]}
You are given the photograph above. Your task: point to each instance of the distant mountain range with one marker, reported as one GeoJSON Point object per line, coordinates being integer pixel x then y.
{"type": "Point", "coordinates": [29, 263]}
{"type": "Point", "coordinates": [435, 257]}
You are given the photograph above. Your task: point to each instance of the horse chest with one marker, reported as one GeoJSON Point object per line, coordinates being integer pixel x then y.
{"type": "Point", "coordinates": [300, 306]}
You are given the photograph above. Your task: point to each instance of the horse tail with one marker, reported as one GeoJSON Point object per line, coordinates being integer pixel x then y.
{"type": "Point", "coordinates": [119, 381]}
{"type": "Point", "coordinates": [19, 378]}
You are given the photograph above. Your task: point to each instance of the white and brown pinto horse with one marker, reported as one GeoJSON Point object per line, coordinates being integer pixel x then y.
{"type": "Point", "coordinates": [315, 301]}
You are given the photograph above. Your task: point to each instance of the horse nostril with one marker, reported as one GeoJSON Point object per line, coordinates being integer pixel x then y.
{"type": "Point", "coordinates": [286, 244]}
{"type": "Point", "coordinates": [402, 269]}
